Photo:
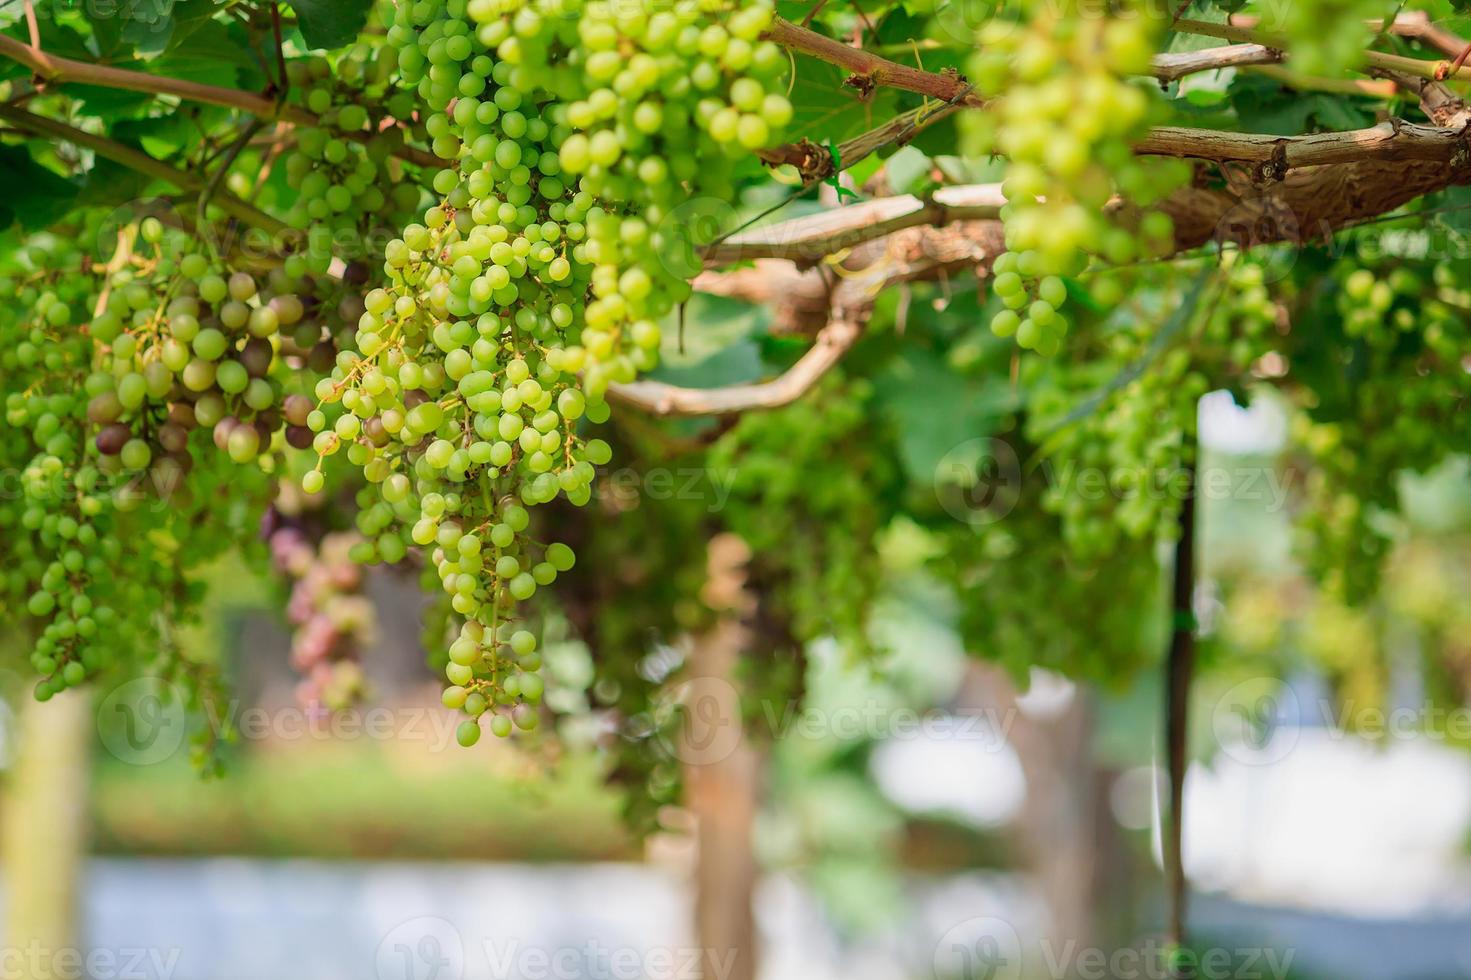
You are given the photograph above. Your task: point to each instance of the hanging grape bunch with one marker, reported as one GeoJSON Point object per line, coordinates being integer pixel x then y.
{"type": "Point", "coordinates": [1066, 115]}
{"type": "Point", "coordinates": [184, 347]}
{"type": "Point", "coordinates": [531, 284]}
{"type": "Point", "coordinates": [50, 522]}
{"type": "Point", "coordinates": [91, 601]}
{"type": "Point", "coordinates": [348, 184]}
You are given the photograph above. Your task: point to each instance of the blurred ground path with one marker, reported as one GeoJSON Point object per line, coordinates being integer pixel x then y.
{"type": "Point", "coordinates": [229, 919]}
{"type": "Point", "coordinates": [249, 919]}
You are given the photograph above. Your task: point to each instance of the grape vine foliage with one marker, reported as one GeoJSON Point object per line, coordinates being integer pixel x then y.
{"type": "Point", "coordinates": [414, 285]}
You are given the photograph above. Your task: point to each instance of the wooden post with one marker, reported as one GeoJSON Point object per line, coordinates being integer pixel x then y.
{"type": "Point", "coordinates": [43, 833]}
{"type": "Point", "coordinates": [722, 773]}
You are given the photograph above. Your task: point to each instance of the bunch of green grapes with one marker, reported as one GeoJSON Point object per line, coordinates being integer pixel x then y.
{"type": "Point", "coordinates": [183, 346]}
{"type": "Point", "coordinates": [99, 553]}
{"type": "Point", "coordinates": [1103, 619]}
{"type": "Point", "coordinates": [531, 284]}
{"type": "Point", "coordinates": [1118, 474]}
{"type": "Point", "coordinates": [1394, 400]}
{"type": "Point", "coordinates": [52, 545]}
{"type": "Point", "coordinates": [1113, 458]}
{"type": "Point", "coordinates": [347, 183]}
{"type": "Point", "coordinates": [1065, 117]}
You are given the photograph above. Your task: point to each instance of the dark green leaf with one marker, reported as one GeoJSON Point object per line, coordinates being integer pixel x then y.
{"type": "Point", "coordinates": [331, 23]}
{"type": "Point", "coordinates": [939, 137]}
{"type": "Point", "coordinates": [58, 39]}
{"type": "Point", "coordinates": [109, 184]}
{"type": "Point", "coordinates": [1264, 106]}
{"type": "Point", "coordinates": [214, 54]}
{"type": "Point", "coordinates": [46, 197]}
{"type": "Point", "coordinates": [142, 28]}
{"type": "Point", "coordinates": [147, 25]}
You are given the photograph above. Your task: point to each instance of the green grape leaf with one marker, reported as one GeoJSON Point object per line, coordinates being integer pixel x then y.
{"type": "Point", "coordinates": [712, 324]}
{"type": "Point", "coordinates": [163, 137]}
{"type": "Point", "coordinates": [908, 170]}
{"type": "Point", "coordinates": [47, 197]}
{"type": "Point", "coordinates": [736, 364]}
{"type": "Point", "coordinates": [794, 10]}
{"type": "Point", "coordinates": [216, 54]}
{"type": "Point", "coordinates": [147, 26]}
{"type": "Point", "coordinates": [823, 108]}
{"type": "Point", "coordinates": [1455, 205]}
{"type": "Point", "coordinates": [123, 29]}
{"type": "Point", "coordinates": [192, 16]}
{"type": "Point", "coordinates": [110, 184]}
{"type": "Point", "coordinates": [1204, 98]}
{"type": "Point", "coordinates": [107, 34]}
{"type": "Point", "coordinates": [936, 408]}
{"type": "Point", "coordinates": [1264, 106]}
{"type": "Point", "coordinates": [971, 170]}
{"type": "Point", "coordinates": [109, 103]}
{"type": "Point", "coordinates": [898, 27]}
{"type": "Point", "coordinates": [938, 137]}
{"type": "Point", "coordinates": [861, 171]}
{"type": "Point", "coordinates": [331, 23]}
{"type": "Point", "coordinates": [1205, 110]}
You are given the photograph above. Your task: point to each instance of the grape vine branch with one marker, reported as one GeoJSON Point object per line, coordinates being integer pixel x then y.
{"type": "Point", "coordinates": [53, 68]}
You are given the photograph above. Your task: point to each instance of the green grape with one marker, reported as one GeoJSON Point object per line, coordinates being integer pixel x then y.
{"type": "Point", "coordinates": [468, 733]}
